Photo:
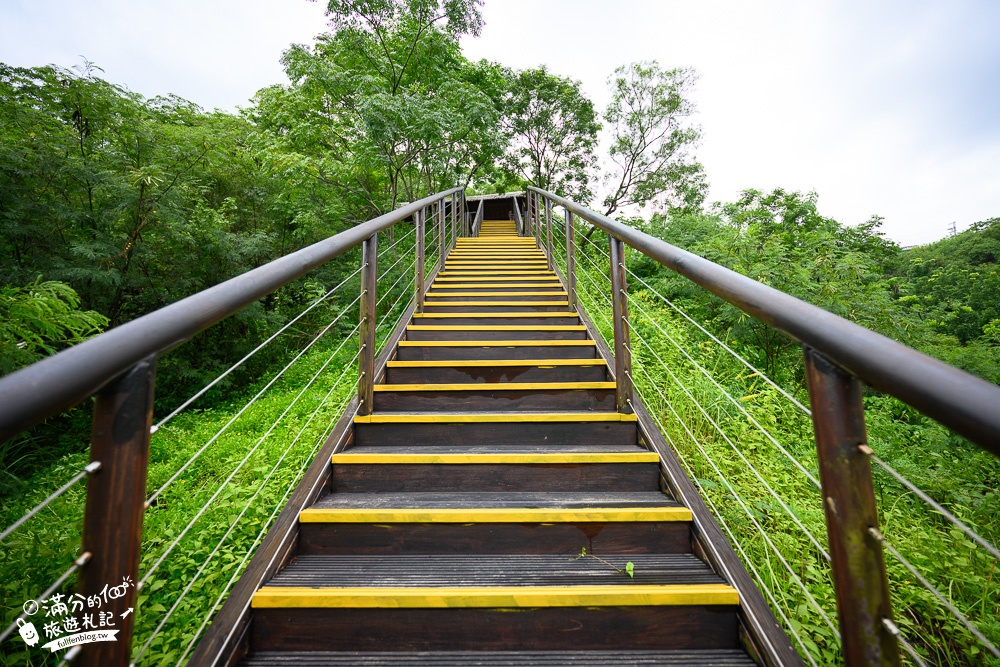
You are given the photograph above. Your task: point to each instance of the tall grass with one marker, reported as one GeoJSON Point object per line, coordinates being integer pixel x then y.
{"type": "Point", "coordinates": [730, 459]}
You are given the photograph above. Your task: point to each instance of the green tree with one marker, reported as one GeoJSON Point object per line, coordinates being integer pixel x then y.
{"type": "Point", "coordinates": [554, 128]}
{"type": "Point", "coordinates": [651, 139]}
{"type": "Point", "coordinates": [385, 108]}
{"type": "Point", "coordinates": [39, 319]}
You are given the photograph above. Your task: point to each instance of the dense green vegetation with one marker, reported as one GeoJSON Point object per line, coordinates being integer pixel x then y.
{"type": "Point", "coordinates": [736, 434]}
{"type": "Point", "coordinates": [113, 205]}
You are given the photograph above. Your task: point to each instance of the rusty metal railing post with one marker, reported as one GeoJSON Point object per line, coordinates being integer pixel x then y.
{"type": "Point", "coordinates": [623, 343]}
{"type": "Point", "coordinates": [369, 298]}
{"type": "Point", "coordinates": [548, 232]}
{"type": "Point", "coordinates": [116, 496]}
{"type": "Point", "coordinates": [570, 261]}
{"type": "Point", "coordinates": [440, 223]}
{"type": "Point", "coordinates": [418, 263]}
{"type": "Point", "coordinates": [859, 576]}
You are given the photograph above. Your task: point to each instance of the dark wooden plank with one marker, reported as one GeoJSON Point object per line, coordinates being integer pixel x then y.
{"type": "Point", "coordinates": [491, 399]}
{"type": "Point", "coordinates": [540, 318]}
{"type": "Point", "coordinates": [486, 629]}
{"type": "Point", "coordinates": [492, 374]}
{"type": "Point", "coordinates": [497, 434]}
{"type": "Point", "coordinates": [491, 296]}
{"type": "Point", "coordinates": [619, 658]}
{"type": "Point", "coordinates": [430, 308]}
{"type": "Point", "coordinates": [495, 334]}
{"type": "Point", "coordinates": [465, 570]}
{"type": "Point", "coordinates": [496, 538]}
{"type": "Point", "coordinates": [474, 499]}
{"type": "Point", "coordinates": [466, 352]}
{"type": "Point", "coordinates": [375, 478]}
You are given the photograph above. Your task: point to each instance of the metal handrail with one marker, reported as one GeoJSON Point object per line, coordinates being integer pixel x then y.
{"type": "Point", "coordinates": [838, 355]}
{"type": "Point", "coordinates": [64, 380]}
{"type": "Point", "coordinates": [478, 220]}
{"type": "Point", "coordinates": [518, 220]}
{"type": "Point", "coordinates": [961, 401]}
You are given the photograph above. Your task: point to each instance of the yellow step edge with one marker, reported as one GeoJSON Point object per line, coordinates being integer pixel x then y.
{"type": "Point", "coordinates": [461, 286]}
{"type": "Point", "coordinates": [463, 304]}
{"type": "Point", "coordinates": [497, 273]}
{"type": "Point", "coordinates": [513, 459]}
{"type": "Point", "coordinates": [496, 327]}
{"type": "Point", "coordinates": [433, 294]}
{"type": "Point", "coordinates": [492, 417]}
{"type": "Point", "coordinates": [499, 363]}
{"type": "Point", "coordinates": [514, 315]}
{"type": "Point", "coordinates": [495, 254]}
{"type": "Point", "coordinates": [499, 343]}
{"type": "Point", "coordinates": [496, 515]}
{"type": "Point", "coordinates": [476, 281]}
{"type": "Point", "coordinates": [492, 597]}
{"type": "Point", "coordinates": [495, 386]}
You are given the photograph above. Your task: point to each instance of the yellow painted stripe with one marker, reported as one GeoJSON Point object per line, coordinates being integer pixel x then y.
{"type": "Point", "coordinates": [495, 515]}
{"type": "Point", "coordinates": [495, 343]}
{"type": "Point", "coordinates": [476, 363]}
{"type": "Point", "coordinates": [492, 417]}
{"type": "Point", "coordinates": [495, 386]}
{"type": "Point", "coordinates": [471, 459]}
{"type": "Point", "coordinates": [496, 327]}
{"type": "Point", "coordinates": [505, 597]}
{"type": "Point", "coordinates": [462, 304]}
{"type": "Point", "coordinates": [526, 285]}
{"type": "Point", "coordinates": [453, 315]}
{"type": "Point", "coordinates": [507, 293]}
{"type": "Point", "coordinates": [477, 280]}
{"type": "Point", "coordinates": [496, 273]}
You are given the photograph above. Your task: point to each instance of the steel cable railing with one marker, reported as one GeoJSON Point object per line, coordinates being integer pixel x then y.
{"type": "Point", "coordinates": [737, 544]}
{"type": "Point", "coordinates": [249, 355]}
{"type": "Point", "coordinates": [895, 553]}
{"type": "Point", "coordinates": [937, 507]}
{"type": "Point", "coordinates": [225, 484]}
{"type": "Point", "coordinates": [173, 478]}
{"type": "Point", "coordinates": [260, 535]}
{"type": "Point", "coordinates": [890, 369]}
{"type": "Point", "coordinates": [236, 522]}
{"type": "Point", "coordinates": [74, 375]}
{"type": "Point", "coordinates": [910, 567]}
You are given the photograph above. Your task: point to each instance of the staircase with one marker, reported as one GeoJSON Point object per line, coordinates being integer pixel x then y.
{"type": "Point", "coordinates": [495, 508]}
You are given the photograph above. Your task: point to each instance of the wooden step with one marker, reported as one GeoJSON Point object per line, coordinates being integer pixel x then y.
{"type": "Point", "coordinates": [500, 430]}
{"type": "Point", "coordinates": [491, 570]}
{"type": "Point", "coordinates": [495, 523]}
{"type": "Point", "coordinates": [679, 617]}
{"type": "Point", "coordinates": [507, 306]}
{"type": "Point", "coordinates": [358, 470]}
{"type": "Point", "coordinates": [520, 396]}
{"type": "Point", "coordinates": [496, 296]}
{"type": "Point", "coordinates": [417, 350]}
{"type": "Point", "coordinates": [488, 371]}
{"type": "Point", "coordinates": [567, 658]}
{"type": "Point", "coordinates": [482, 318]}
{"type": "Point", "coordinates": [493, 286]}
{"type": "Point", "coordinates": [485, 332]}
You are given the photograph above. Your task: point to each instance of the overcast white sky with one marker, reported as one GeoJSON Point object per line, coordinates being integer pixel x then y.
{"type": "Point", "coordinates": [888, 108]}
